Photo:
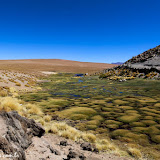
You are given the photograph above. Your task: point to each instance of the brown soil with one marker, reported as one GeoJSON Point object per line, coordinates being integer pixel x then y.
{"type": "Point", "coordinates": [39, 150]}
{"type": "Point", "coordinates": [54, 65]}
{"type": "Point", "coordinates": [11, 78]}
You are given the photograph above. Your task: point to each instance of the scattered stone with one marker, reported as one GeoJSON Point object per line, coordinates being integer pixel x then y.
{"type": "Point", "coordinates": [63, 143]}
{"type": "Point", "coordinates": [95, 150]}
{"type": "Point", "coordinates": [82, 157]}
{"type": "Point", "coordinates": [71, 155]}
{"type": "Point", "coordinates": [86, 146]}
{"type": "Point", "coordinates": [56, 152]}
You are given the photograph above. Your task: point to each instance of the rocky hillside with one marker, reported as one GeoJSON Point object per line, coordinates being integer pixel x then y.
{"type": "Point", "coordinates": [145, 65]}
{"type": "Point", "coordinates": [23, 139]}
{"type": "Point", "coordinates": [16, 135]}
{"type": "Point", "coordinates": [148, 59]}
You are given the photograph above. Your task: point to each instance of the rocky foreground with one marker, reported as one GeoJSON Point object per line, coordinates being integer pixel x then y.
{"type": "Point", "coordinates": [23, 139]}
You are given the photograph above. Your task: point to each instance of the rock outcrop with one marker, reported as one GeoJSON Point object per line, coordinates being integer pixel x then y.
{"type": "Point", "coordinates": [144, 65]}
{"type": "Point", "coordinates": [16, 134]}
{"type": "Point", "coordinates": [146, 60]}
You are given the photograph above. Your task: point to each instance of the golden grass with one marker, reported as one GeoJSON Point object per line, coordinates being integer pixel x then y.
{"type": "Point", "coordinates": [13, 104]}
{"type": "Point", "coordinates": [126, 107]}
{"type": "Point", "coordinates": [135, 153]}
{"type": "Point", "coordinates": [112, 122]}
{"type": "Point", "coordinates": [77, 110]}
{"type": "Point", "coordinates": [78, 117]}
{"type": "Point", "coordinates": [12, 90]}
{"type": "Point", "coordinates": [157, 105]}
{"type": "Point", "coordinates": [10, 104]}
{"type": "Point", "coordinates": [89, 137]}
{"type": "Point", "coordinates": [33, 109]}
{"type": "Point", "coordinates": [17, 84]}
{"type": "Point", "coordinates": [64, 130]}
{"type": "Point", "coordinates": [47, 118]}
{"type": "Point", "coordinates": [129, 118]}
{"type": "Point", "coordinates": [41, 120]}
{"type": "Point", "coordinates": [3, 93]}
{"type": "Point", "coordinates": [137, 124]}
{"type": "Point", "coordinates": [149, 122]}
{"type": "Point", "coordinates": [119, 102]}
{"type": "Point", "coordinates": [156, 138]}
{"type": "Point", "coordinates": [27, 85]}
{"type": "Point", "coordinates": [98, 117]}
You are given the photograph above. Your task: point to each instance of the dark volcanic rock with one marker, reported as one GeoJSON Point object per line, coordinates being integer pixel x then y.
{"type": "Point", "coordinates": [82, 157]}
{"type": "Point", "coordinates": [16, 133]}
{"type": "Point", "coordinates": [86, 146]}
{"type": "Point", "coordinates": [63, 143]}
{"type": "Point", "coordinates": [71, 155]}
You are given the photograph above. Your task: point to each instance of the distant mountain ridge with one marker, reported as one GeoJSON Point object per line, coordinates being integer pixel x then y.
{"type": "Point", "coordinates": [118, 63]}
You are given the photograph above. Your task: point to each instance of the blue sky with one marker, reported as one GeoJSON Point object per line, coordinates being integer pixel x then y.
{"type": "Point", "coordinates": [83, 30]}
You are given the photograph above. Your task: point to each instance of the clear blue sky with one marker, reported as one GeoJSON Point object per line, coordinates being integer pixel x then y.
{"type": "Point", "coordinates": [84, 30]}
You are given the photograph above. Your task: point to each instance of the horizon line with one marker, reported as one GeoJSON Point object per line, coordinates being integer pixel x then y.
{"type": "Point", "coordinates": [55, 59]}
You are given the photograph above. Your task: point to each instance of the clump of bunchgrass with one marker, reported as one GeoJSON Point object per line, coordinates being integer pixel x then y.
{"type": "Point", "coordinates": [10, 104]}
{"type": "Point", "coordinates": [18, 84]}
{"type": "Point", "coordinates": [98, 117]}
{"type": "Point", "coordinates": [119, 102]}
{"type": "Point", "coordinates": [33, 109]}
{"type": "Point", "coordinates": [47, 118]}
{"type": "Point", "coordinates": [156, 138]}
{"type": "Point", "coordinates": [77, 110]}
{"type": "Point", "coordinates": [89, 137]}
{"type": "Point", "coordinates": [135, 153]}
{"type": "Point", "coordinates": [3, 93]}
{"type": "Point", "coordinates": [129, 118]}
{"type": "Point", "coordinates": [78, 117]}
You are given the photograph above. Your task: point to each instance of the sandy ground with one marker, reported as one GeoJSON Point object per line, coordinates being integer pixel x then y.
{"type": "Point", "coordinates": [40, 149]}
{"type": "Point", "coordinates": [17, 80]}
{"type": "Point", "coordinates": [52, 65]}
{"type": "Point", "coordinates": [48, 73]}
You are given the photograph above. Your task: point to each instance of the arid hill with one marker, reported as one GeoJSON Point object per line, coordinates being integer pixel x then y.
{"type": "Point", "coordinates": [57, 65]}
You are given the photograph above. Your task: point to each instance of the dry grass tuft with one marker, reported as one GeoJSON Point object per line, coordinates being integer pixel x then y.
{"type": "Point", "coordinates": [10, 104]}
{"type": "Point", "coordinates": [41, 120]}
{"type": "Point", "coordinates": [135, 153]}
{"type": "Point", "coordinates": [89, 137]}
{"type": "Point", "coordinates": [33, 109]}
{"type": "Point", "coordinates": [17, 84]}
{"type": "Point", "coordinates": [12, 90]}
{"type": "Point", "coordinates": [3, 93]}
{"type": "Point", "coordinates": [47, 118]}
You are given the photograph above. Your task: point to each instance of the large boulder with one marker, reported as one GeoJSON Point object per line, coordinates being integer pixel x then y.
{"type": "Point", "coordinates": [16, 133]}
